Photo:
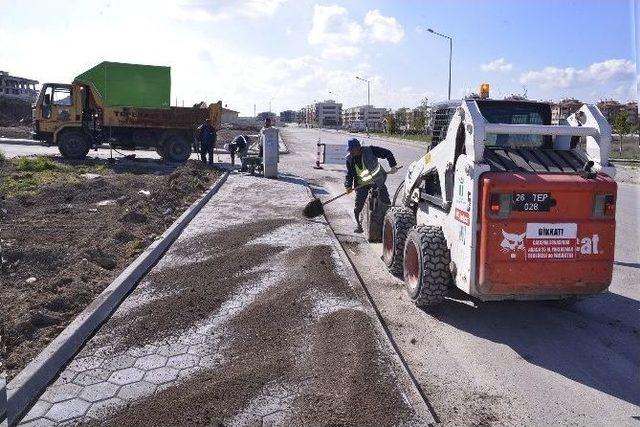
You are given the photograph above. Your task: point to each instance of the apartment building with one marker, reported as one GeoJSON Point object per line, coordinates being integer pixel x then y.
{"type": "Point", "coordinates": [323, 114]}
{"type": "Point", "coordinates": [563, 109]}
{"type": "Point", "coordinates": [373, 117]}
{"type": "Point", "coordinates": [288, 116]}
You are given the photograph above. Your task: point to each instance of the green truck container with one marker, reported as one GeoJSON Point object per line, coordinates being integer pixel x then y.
{"type": "Point", "coordinates": [130, 85]}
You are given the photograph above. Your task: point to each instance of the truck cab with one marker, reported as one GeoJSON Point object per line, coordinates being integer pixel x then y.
{"type": "Point", "coordinates": [57, 105]}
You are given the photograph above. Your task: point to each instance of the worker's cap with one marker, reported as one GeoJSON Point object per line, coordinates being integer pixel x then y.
{"type": "Point", "coordinates": [353, 143]}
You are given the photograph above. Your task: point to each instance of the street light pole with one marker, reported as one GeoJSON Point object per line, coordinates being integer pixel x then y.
{"type": "Point", "coordinates": [366, 111]}
{"type": "Point", "coordinates": [450, 53]}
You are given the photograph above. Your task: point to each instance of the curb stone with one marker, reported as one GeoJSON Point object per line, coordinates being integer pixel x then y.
{"type": "Point", "coordinates": [27, 386]}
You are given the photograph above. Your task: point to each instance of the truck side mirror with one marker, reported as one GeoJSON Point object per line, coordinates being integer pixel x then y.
{"type": "Point", "coordinates": [47, 98]}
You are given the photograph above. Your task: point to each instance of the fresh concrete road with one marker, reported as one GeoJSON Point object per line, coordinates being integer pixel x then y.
{"type": "Point", "coordinates": [503, 362]}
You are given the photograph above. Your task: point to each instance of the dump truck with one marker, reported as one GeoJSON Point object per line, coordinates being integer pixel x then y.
{"type": "Point", "coordinates": [506, 205]}
{"type": "Point", "coordinates": [124, 105]}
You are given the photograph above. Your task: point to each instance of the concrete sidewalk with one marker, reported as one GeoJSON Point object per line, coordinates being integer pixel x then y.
{"type": "Point", "coordinates": [251, 317]}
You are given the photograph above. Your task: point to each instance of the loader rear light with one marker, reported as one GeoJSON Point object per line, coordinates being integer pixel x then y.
{"type": "Point", "coordinates": [604, 205]}
{"type": "Point", "coordinates": [500, 204]}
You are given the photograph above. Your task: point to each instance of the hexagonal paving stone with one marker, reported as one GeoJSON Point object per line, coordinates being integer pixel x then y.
{"type": "Point", "coordinates": [85, 363]}
{"type": "Point", "coordinates": [99, 409]}
{"type": "Point", "coordinates": [210, 361]}
{"type": "Point", "coordinates": [126, 376]}
{"type": "Point", "coordinates": [199, 350]}
{"type": "Point", "coordinates": [183, 361]}
{"type": "Point", "coordinates": [142, 351]}
{"type": "Point", "coordinates": [172, 349]}
{"type": "Point", "coordinates": [39, 409]}
{"type": "Point", "coordinates": [60, 393]}
{"type": "Point", "coordinates": [99, 373]}
{"type": "Point", "coordinates": [100, 391]}
{"type": "Point", "coordinates": [151, 361]}
{"type": "Point", "coordinates": [186, 373]}
{"type": "Point", "coordinates": [119, 362]}
{"type": "Point", "coordinates": [83, 379]}
{"type": "Point", "coordinates": [66, 377]}
{"type": "Point", "coordinates": [67, 410]}
{"type": "Point", "coordinates": [161, 375]}
{"type": "Point", "coordinates": [135, 390]}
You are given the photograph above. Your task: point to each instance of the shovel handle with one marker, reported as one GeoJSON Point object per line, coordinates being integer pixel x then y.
{"type": "Point", "coordinates": [347, 192]}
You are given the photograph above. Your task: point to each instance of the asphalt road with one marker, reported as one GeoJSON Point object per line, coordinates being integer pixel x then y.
{"type": "Point", "coordinates": [502, 362]}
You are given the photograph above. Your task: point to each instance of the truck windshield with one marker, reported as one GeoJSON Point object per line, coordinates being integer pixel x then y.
{"type": "Point", "coordinates": [513, 113]}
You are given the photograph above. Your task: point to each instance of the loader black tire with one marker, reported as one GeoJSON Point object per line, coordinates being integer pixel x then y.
{"type": "Point", "coordinates": [373, 213]}
{"type": "Point", "coordinates": [176, 148]}
{"type": "Point", "coordinates": [159, 150]}
{"type": "Point", "coordinates": [426, 266]}
{"type": "Point", "coordinates": [73, 144]}
{"type": "Point", "coordinates": [397, 223]}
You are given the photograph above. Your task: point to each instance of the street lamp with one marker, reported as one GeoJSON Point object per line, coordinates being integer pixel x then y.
{"type": "Point", "coordinates": [450, 53]}
{"type": "Point", "coordinates": [366, 111]}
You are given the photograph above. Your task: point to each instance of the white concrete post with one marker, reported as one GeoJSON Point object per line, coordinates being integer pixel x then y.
{"type": "Point", "coordinates": [269, 139]}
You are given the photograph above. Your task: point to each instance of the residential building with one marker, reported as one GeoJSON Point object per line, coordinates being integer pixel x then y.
{"type": "Point", "coordinates": [324, 114]}
{"type": "Point", "coordinates": [610, 109]}
{"type": "Point", "coordinates": [632, 113]}
{"type": "Point", "coordinates": [564, 108]}
{"type": "Point", "coordinates": [17, 87]}
{"type": "Point", "coordinates": [301, 115]}
{"type": "Point", "coordinates": [372, 116]}
{"type": "Point", "coordinates": [288, 116]}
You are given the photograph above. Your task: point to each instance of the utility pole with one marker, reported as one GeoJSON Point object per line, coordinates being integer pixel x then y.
{"type": "Point", "coordinates": [450, 54]}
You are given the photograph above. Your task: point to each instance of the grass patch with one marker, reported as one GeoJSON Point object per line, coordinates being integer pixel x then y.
{"type": "Point", "coordinates": [28, 174]}
{"type": "Point", "coordinates": [35, 164]}
{"type": "Point", "coordinates": [416, 137]}
{"type": "Point", "coordinates": [134, 248]}
{"type": "Point", "coordinates": [2, 156]}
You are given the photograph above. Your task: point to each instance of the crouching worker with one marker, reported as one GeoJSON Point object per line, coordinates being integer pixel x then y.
{"type": "Point", "coordinates": [365, 172]}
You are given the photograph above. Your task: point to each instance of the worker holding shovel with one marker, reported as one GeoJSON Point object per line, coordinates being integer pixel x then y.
{"type": "Point", "coordinates": [364, 172]}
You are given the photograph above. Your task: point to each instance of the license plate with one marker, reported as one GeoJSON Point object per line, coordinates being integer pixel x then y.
{"type": "Point", "coordinates": [532, 202]}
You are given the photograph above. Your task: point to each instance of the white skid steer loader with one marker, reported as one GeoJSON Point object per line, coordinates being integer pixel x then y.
{"type": "Point", "coordinates": [506, 206]}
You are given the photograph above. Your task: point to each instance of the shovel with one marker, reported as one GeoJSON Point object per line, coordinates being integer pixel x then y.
{"type": "Point", "coordinates": [316, 207]}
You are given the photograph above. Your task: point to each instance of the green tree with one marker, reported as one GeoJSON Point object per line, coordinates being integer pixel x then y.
{"type": "Point", "coordinates": [390, 123]}
{"type": "Point", "coordinates": [401, 118]}
{"type": "Point", "coordinates": [621, 123]}
{"type": "Point", "coordinates": [419, 119]}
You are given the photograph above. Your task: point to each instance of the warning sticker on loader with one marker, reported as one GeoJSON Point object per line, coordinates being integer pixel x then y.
{"type": "Point", "coordinates": [544, 241]}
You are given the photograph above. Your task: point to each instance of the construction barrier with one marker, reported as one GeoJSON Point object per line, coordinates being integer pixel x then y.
{"type": "Point", "coordinates": [330, 154]}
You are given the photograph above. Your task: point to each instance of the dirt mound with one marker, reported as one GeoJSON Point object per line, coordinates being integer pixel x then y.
{"type": "Point", "coordinates": [67, 238]}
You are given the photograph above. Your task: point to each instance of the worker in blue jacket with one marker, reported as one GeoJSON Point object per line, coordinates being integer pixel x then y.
{"type": "Point", "coordinates": [207, 137]}
{"type": "Point", "coordinates": [365, 172]}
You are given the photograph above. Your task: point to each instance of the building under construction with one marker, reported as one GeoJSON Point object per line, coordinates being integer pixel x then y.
{"type": "Point", "coordinates": [17, 87]}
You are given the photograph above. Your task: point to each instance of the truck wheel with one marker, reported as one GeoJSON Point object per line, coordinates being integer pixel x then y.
{"type": "Point", "coordinates": [176, 148]}
{"type": "Point", "coordinates": [373, 217]}
{"type": "Point", "coordinates": [426, 266]}
{"type": "Point", "coordinates": [73, 144]}
{"type": "Point", "coordinates": [397, 223]}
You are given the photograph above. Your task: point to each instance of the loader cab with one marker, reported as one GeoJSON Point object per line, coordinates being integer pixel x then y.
{"type": "Point", "coordinates": [439, 118]}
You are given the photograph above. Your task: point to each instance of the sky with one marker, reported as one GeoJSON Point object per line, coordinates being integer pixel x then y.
{"type": "Point", "coordinates": [289, 53]}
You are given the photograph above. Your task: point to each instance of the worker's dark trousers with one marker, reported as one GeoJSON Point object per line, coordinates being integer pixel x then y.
{"type": "Point", "coordinates": [206, 148]}
{"type": "Point", "coordinates": [361, 197]}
